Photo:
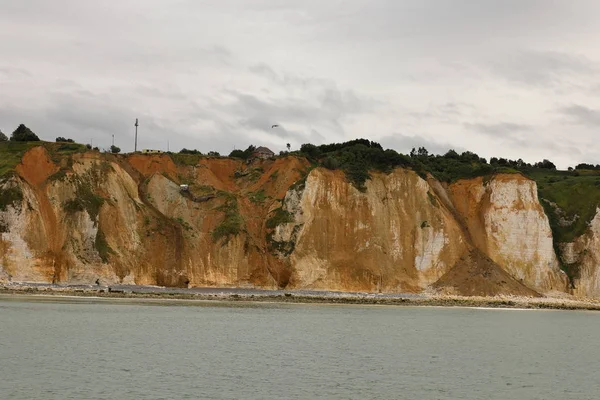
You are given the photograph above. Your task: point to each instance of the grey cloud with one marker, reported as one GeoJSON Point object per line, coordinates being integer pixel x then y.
{"type": "Point", "coordinates": [213, 75]}
{"type": "Point", "coordinates": [156, 91]}
{"type": "Point", "coordinates": [10, 72]}
{"type": "Point", "coordinates": [448, 113]}
{"type": "Point", "coordinates": [499, 129]}
{"type": "Point", "coordinates": [582, 115]}
{"type": "Point", "coordinates": [344, 101]}
{"type": "Point", "coordinates": [259, 114]}
{"type": "Point", "coordinates": [541, 68]}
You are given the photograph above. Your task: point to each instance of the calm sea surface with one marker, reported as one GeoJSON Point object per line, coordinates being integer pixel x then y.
{"type": "Point", "coordinates": [97, 349]}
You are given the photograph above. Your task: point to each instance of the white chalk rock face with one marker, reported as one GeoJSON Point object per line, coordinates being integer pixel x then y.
{"type": "Point", "coordinates": [18, 261]}
{"type": "Point", "coordinates": [397, 236]}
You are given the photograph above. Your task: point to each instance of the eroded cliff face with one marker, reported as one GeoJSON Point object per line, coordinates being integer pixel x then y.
{"type": "Point", "coordinates": [394, 237]}
{"type": "Point", "coordinates": [506, 221]}
{"type": "Point", "coordinates": [584, 253]}
{"type": "Point", "coordinates": [274, 223]}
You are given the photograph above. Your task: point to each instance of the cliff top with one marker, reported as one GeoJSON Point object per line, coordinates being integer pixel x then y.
{"type": "Point", "coordinates": [570, 198]}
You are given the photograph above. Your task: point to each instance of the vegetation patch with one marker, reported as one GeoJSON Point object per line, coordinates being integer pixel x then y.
{"type": "Point", "coordinates": [258, 197]}
{"type": "Point", "coordinates": [300, 184]}
{"type": "Point", "coordinates": [183, 223]}
{"type": "Point", "coordinates": [357, 158]}
{"type": "Point", "coordinates": [60, 151]}
{"type": "Point", "coordinates": [279, 217]}
{"type": "Point", "coordinates": [10, 197]}
{"type": "Point", "coordinates": [202, 189]}
{"type": "Point", "coordinates": [432, 199]}
{"type": "Point", "coordinates": [11, 154]}
{"type": "Point", "coordinates": [104, 250]}
{"type": "Point", "coordinates": [86, 200]}
{"type": "Point", "coordinates": [243, 154]}
{"type": "Point", "coordinates": [232, 223]}
{"type": "Point", "coordinates": [189, 160]}
{"type": "Point", "coordinates": [69, 148]}
{"type": "Point", "coordinates": [255, 174]}
{"type": "Point", "coordinates": [570, 200]}
{"type": "Point", "coordinates": [60, 175]}
{"type": "Point", "coordinates": [274, 175]}
{"type": "Point", "coordinates": [283, 248]}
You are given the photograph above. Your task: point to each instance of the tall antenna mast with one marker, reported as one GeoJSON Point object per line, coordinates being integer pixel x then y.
{"type": "Point", "coordinates": [136, 126]}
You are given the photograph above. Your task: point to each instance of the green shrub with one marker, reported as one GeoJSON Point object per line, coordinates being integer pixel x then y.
{"type": "Point", "coordinates": [104, 250]}
{"type": "Point", "coordinates": [69, 148]}
{"type": "Point", "coordinates": [85, 199]}
{"type": "Point", "coordinates": [258, 197]}
{"type": "Point", "coordinates": [243, 154]}
{"type": "Point", "coordinates": [274, 176]}
{"type": "Point", "coordinates": [232, 223]}
{"type": "Point", "coordinates": [279, 217]}
{"type": "Point", "coordinates": [10, 196]}
{"type": "Point", "coordinates": [189, 160]}
{"type": "Point", "coordinates": [186, 151]}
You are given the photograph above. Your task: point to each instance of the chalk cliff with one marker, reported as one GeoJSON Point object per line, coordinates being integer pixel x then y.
{"type": "Point", "coordinates": [277, 223]}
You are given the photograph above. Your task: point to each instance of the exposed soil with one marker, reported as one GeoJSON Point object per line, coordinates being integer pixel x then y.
{"type": "Point", "coordinates": [477, 275]}
{"type": "Point", "coordinates": [36, 166]}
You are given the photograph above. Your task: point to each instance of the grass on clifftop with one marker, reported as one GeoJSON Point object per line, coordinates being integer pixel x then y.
{"type": "Point", "coordinates": [11, 153]}
{"type": "Point", "coordinates": [577, 194]}
{"type": "Point", "coordinates": [189, 160]}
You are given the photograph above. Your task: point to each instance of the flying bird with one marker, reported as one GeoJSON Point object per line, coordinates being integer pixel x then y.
{"type": "Point", "coordinates": [274, 126]}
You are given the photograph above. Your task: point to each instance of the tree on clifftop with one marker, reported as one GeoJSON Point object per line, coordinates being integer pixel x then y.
{"type": "Point", "coordinates": [547, 164]}
{"type": "Point", "coordinates": [24, 134]}
{"type": "Point", "coordinates": [114, 149]}
{"type": "Point", "coordinates": [3, 137]}
{"type": "Point", "coordinates": [243, 154]}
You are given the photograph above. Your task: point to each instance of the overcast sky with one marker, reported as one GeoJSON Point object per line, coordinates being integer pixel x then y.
{"type": "Point", "coordinates": [517, 79]}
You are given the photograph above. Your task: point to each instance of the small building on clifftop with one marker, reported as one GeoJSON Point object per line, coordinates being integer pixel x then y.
{"type": "Point", "coordinates": [263, 152]}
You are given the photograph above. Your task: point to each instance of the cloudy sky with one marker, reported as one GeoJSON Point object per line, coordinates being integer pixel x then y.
{"type": "Point", "coordinates": [508, 78]}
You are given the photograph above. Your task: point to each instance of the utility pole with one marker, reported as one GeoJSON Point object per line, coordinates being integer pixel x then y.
{"type": "Point", "coordinates": [113, 142]}
{"type": "Point", "coordinates": [136, 126]}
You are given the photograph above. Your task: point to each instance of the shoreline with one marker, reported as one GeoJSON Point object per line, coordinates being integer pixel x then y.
{"type": "Point", "coordinates": [291, 297]}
